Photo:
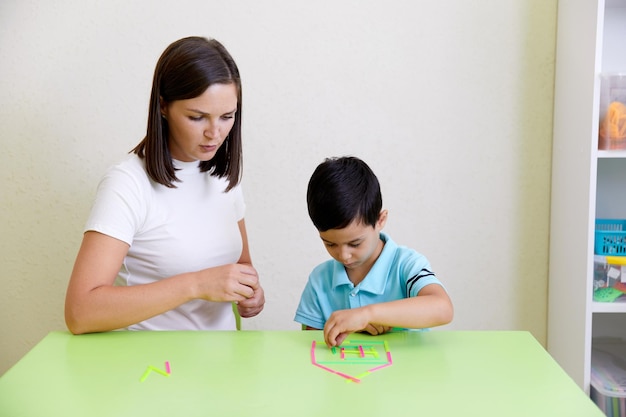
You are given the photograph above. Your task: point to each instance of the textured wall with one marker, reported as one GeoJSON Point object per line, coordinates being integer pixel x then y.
{"type": "Point", "coordinates": [450, 102]}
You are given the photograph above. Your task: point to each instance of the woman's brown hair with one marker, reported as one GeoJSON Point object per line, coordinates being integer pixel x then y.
{"type": "Point", "coordinates": [185, 70]}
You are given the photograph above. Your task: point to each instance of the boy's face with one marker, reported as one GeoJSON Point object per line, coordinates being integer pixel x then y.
{"type": "Point", "coordinates": [357, 245]}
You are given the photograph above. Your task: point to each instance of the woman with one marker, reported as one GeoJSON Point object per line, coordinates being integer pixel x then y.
{"type": "Point", "coordinates": [165, 245]}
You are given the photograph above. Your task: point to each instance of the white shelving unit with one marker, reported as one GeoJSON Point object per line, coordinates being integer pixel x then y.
{"type": "Point", "coordinates": [586, 183]}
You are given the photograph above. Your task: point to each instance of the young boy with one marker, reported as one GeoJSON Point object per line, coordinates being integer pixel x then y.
{"type": "Point", "coordinates": [371, 284]}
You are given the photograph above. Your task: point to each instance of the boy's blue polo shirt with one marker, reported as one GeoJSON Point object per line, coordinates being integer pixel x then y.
{"type": "Point", "coordinates": [399, 272]}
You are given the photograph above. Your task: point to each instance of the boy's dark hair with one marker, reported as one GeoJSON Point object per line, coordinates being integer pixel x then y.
{"type": "Point", "coordinates": [342, 190]}
{"type": "Point", "coordinates": [185, 70]}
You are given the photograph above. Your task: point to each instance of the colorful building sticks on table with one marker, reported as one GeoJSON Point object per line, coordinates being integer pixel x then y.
{"type": "Point", "coordinates": [355, 352]}
{"type": "Point", "coordinates": [151, 368]}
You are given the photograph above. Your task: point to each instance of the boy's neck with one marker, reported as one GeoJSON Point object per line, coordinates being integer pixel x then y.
{"type": "Point", "coordinates": [356, 276]}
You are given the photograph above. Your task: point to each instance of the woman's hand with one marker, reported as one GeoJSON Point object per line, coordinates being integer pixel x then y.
{"type": "Point", "coordinates": [232, 282]}
{"type": "Point", "coordinates": [252, 306]}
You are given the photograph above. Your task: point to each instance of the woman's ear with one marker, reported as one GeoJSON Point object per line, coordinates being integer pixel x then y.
{"type": "Point", "coordinates": [163, 106]}
{"type": "Point", "coordinates": [382, 220]}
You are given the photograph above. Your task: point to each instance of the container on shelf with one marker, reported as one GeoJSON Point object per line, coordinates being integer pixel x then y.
{"type": "Point", "coordinates": [608, 377]}
{"type": "Point", "coordinates": [612, 128]}
{"type": "Point", "coordinates": [610, 237]}
{"type": "Point", "coordinates": [609, 278]}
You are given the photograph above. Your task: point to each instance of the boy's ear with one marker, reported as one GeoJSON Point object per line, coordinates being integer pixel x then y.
{"type": "Point", "coordinates": [382, 220]}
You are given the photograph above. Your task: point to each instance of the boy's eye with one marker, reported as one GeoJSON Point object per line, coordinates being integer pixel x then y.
{"type": "Point", "coordinates": [354, 245]}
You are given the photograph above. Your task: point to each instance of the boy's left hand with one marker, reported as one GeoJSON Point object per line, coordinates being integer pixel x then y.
{"type": "Point", "coordinates": [343, 322]}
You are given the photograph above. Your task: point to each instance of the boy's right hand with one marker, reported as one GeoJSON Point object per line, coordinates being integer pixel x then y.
{"type": "Point", "coordinates": [343, 322]}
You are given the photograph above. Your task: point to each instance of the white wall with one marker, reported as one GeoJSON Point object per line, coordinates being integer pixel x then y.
{"type": "Point", "coordinates": [450, 102]}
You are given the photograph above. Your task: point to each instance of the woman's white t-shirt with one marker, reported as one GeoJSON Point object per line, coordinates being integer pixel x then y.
{"type": "Point", "coordinates": [171, 231]}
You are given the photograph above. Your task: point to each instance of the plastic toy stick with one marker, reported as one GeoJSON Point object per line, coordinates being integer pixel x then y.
{"type": "Point", "coordinates": [361, 351]}
{"type": "Point", "coordinates": [167, 367]}
{"type": "Point", "coordinates": [379, 367]}
{"type": "Point", "coordinates": [362, 342]}
{"type": "Point", "coordinates": [341, 374]}
{"type": "Point", "coordinates": [145, 374]}
{"type": "Point", "coordinates": [157, 370]}
{"type": "Point", "coordinates": [374, 351]}
{"type": "Point", "coordinates": [352, 352]}
{"type": "Point", "coordinates": [356, 361]}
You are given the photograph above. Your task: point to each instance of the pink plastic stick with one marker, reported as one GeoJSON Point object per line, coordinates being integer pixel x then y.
{"type": "Point", "coordinates": [313, 352]}
{"type": "Point", "coordinates": [379, 367]}
{"type": "Point", "coordinates": [337, 373]}
{"type": "Point", "coordinates": [328, 369]}
{"type": "Point", "coordinates": [167, 368]}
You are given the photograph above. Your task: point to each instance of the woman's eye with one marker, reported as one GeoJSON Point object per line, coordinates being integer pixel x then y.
{"type": "Point", "coordinates": [195, 118]}
{"type": "Point", "coordinates": [354, 245]}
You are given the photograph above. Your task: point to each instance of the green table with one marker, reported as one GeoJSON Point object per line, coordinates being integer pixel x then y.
{"type": "Point", "coordinates": [270, 373]}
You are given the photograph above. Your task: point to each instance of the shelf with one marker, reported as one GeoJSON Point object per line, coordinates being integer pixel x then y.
{"type": "Point", "coordinates": [615, 3]}
{"type": "Point", "coordinates": [587, 183]}
{"type": "Point", "coordinates": [612, 154]}
{"type": "Point", "coordinates": [615, 307]}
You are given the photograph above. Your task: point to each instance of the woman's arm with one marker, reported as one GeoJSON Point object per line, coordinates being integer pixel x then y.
{"type": "Point", "coordinates": [93, 304]}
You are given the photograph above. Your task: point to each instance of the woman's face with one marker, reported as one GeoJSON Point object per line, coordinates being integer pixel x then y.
{"type": "Point", "coordinates": [198, 126]}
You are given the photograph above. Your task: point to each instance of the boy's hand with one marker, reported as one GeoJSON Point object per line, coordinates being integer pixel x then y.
{"type": "Point", "coordinates": [376, 329]}
{"type": "Point", "coordinates": [343, 322]}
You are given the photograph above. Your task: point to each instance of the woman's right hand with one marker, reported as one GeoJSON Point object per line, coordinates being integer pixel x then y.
{"type": "Point", "coordinates": [232, 282]}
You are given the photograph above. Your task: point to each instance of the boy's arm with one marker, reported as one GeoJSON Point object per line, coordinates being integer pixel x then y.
{"type": "Point", "coordinates": [432, 307]}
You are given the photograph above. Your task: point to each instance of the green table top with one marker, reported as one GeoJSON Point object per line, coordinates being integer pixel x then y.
{"type": "Point", "coordinates": [270, 373]}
